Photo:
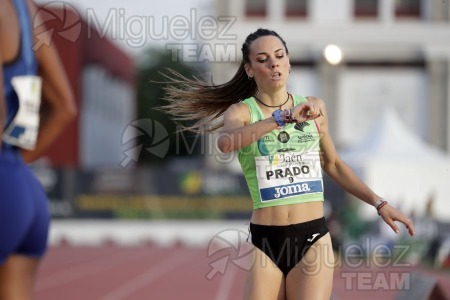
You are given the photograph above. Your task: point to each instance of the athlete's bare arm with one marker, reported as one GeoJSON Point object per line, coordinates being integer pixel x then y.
{"type": "Point", "coordinates": [2, 100]}
{"type": "Point", "coordinates": [58, 100]}
{"type": "Point", "coordinates": [335, 167]}
{"type": "Point", "coordinates": [236, 133]}
{"type": "Point", "coordinates": [343, 175]}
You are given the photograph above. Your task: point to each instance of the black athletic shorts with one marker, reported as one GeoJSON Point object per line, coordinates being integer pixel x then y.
{"type": "Point", "coordinates": [286, 245]}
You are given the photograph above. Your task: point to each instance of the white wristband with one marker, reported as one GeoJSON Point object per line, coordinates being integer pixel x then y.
{"type": "Point", "coordinates": [379, 201]}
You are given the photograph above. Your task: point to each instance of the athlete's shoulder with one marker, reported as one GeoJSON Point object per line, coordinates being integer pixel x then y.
{"type": "Point", "coordinates": [240, 111]}
{"type": "Point", "coordinates": [238, 107]}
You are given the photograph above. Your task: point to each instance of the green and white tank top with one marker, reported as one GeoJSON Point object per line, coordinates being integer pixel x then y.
{"type": "Point", "coordinates": [283, 166]}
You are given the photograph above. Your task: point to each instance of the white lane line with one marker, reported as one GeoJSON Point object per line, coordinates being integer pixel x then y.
{"type": "Point", "coordinates": [158, 270]}
{"type": "Point", "coordinates": [88, 268]}
{"type": "Point", "coordinates": [226, 284]}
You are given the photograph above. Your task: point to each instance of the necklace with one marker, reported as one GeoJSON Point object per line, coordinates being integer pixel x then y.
{"type": "Point", "coordinates": [273, 105]}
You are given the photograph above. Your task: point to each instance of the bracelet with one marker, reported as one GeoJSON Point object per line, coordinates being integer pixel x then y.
{"type": "Point", "coordinates": [288, 116]}
{"type": "Point", "coordinates": [277, 115]}
{"type": "Point", "coordinates": [381, 206]}
{"type": "Point", "coordinates": [379, 201]}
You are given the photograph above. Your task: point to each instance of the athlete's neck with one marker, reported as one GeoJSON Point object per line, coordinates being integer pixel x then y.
{"type": "Point", "coordinates": [276, 98]}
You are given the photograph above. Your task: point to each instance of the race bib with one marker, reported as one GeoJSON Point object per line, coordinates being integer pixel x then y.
{"type": "Point", "coordinates": [288, 174]}
{"type": "Point", "coordinates": [23, 129]}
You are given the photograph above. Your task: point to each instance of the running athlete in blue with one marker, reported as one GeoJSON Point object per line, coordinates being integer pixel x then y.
{"type": "Point", "coordinates": [24, 216]}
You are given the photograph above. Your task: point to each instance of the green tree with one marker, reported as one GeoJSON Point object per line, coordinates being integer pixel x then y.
{"type": "Point", "coordinates": [150, 95]}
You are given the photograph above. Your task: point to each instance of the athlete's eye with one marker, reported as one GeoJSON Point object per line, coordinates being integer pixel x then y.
{"type": "Point", "coordinates": [262, 60]}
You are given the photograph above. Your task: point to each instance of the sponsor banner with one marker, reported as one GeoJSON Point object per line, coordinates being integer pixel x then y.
{"type": "Point", "coordinates": [284, 191]}
{"type": "Point", "coordinates": [144, 194]}
{"type": "Point", "coordinates": [162, 207]}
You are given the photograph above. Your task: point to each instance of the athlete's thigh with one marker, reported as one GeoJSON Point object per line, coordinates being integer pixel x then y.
{"type": "Point", "coordinates": [34, 243]}
{"type": "Point", "coordinates": [15, 211]}
{"type": "Point", "coordinates": [17, 276]}
{"type": "Point", "coordinates": [312, 278]}
{"type": "Point", "coordinates": [264, 280]}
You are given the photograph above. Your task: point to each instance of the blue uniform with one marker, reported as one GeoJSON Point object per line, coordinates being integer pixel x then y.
{"type": "Point", "coordinates": [24, 215]}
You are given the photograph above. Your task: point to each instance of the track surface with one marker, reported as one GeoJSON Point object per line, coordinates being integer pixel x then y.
{"type": "Point", "coordinates": [155, 272]}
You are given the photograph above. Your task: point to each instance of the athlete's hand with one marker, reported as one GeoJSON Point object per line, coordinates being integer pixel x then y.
{"type": "Point", "coordinates": [389, 215]}
{"type": "Point", "coordinates": [306, 111]}
{"type": "Point", "coordinates": [27, 156]}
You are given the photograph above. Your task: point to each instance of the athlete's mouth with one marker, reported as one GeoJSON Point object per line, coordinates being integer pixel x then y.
{"type": "Point", "coordinates": [276, 75]}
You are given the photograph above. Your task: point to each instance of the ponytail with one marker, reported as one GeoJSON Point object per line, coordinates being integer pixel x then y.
{"type": "Point", "coordinates": [204, 102]}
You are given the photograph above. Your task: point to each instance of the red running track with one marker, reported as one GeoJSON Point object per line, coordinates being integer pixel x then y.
{"type": "Point", "coordinates": [154, 272]}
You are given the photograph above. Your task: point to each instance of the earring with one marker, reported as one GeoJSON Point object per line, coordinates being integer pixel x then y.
{"type": "Point", "coordinates": [290, 69]}
{"type": "Point", "coordinates": [250, 77]}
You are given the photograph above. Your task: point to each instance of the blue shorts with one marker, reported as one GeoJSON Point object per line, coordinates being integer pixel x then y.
{"type": "Point", "coordinates": [24, 214]}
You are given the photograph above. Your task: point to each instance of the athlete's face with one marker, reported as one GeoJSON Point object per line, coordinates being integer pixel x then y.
{"type": "Point", "coordinates": [269, 63]}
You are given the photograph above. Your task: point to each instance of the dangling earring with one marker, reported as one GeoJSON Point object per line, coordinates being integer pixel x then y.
{"type": "Point", "coordinates": [290, 69]}
{"type": "Point", "coordinates": [250, 77]}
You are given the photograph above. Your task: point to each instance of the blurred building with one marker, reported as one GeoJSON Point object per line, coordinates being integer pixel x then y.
{"type": "Point", "coordinates": [102, 78]}
{"type": "Point", "coordinates": [394, 54]}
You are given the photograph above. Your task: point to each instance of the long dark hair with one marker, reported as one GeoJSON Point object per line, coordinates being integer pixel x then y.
{"type": "Point", "coordinates": [205, 102]}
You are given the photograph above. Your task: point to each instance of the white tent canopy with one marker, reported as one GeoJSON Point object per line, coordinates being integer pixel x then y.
{"type": "Point", "coordinates": [400, 167]}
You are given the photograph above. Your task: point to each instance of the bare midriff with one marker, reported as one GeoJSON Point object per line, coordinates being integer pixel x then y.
{"type": "Point", "coordinates": [288, 214]}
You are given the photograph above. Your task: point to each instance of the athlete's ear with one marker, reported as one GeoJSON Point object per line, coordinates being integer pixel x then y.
{"type": "Point", "coordinates": [248, 70]}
